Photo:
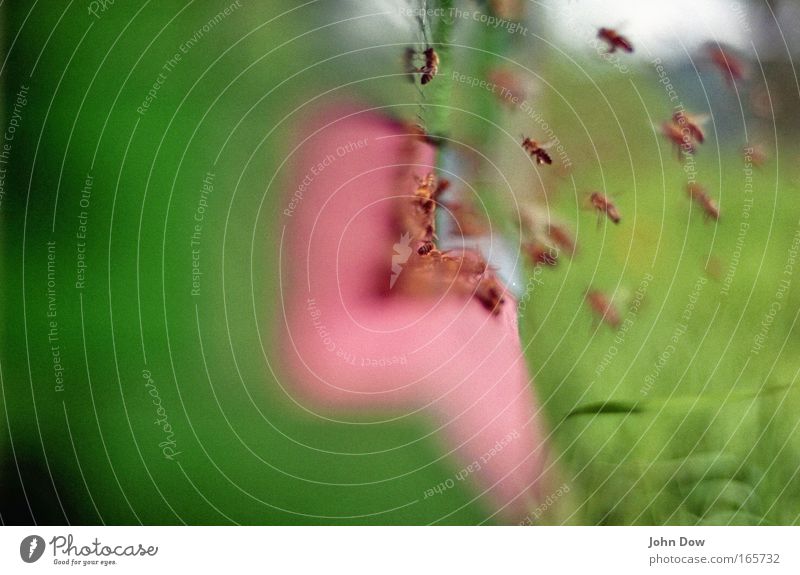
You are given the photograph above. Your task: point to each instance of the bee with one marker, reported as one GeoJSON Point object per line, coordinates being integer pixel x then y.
{"type": "Point", "coordinates": [614, 40]}
{"type": "Point", "coordinates": [676, 136]}
{"type": "Point", "coordinates": [473, 265]}
{"type": "Point", "coordinates": [700, 196]}
{"type": "Point", "coordinates": [428, 190]}
{"type": "Point", "coordinates": [513, 90]}
{"type": "Point", "coordinates": [436, 272]}
{"type": "Point", "coordinates": [536, 151]}
{"type": "Point", "coordinates": [603, 307]}
{"type": "Point", "coordinates": [755, 154]}
{"type": "Point", "coordinates": [467, 275]}
{"type": "Point", "coordinates": [490, 293]}
{"type": "Point", "coordinates": [425, 248]}
{"type": "Point", "coordinates": [431, 67]}
{"type": "Point", "coordinates": [764, 103]}
{"type": "Point", "coordinates": [418, 214]}
{"type": "Point", "coordinates": [476, 278]}
{"type": "Point", "coordinates": [604, 205]}
{"type": "Point", "coordinates": [713, 268]}
{"type": "Point", "coordinates": [692, 123]}
{"type": "Point", "coordinates": [540, 254]}
{"type": "Point", "coordinates": [732, 67]}
{"type": "Point", "coordinates": [562, 238]}
{"type": "Point", "coordinates": [468, 222]}
{"type": "Point", "coordinates": [513, 10]}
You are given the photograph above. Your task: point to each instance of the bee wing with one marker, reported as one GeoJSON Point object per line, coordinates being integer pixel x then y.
{"type": "Point", "coordinates": [700, 118]}
{"type": "Point", "coordinates": [586, 201]}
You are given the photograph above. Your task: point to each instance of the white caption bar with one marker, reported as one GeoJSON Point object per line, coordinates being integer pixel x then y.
{"type": "Point", "coordinates": [401, 550]}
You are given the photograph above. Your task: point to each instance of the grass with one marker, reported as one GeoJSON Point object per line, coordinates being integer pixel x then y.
{"type": "Point", "coordinates": [702, 431]}
{"type": "Point", "coordinates": [714, 439]}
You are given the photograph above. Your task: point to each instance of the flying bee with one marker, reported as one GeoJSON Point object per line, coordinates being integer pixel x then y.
{"type": "Point", "coordinates": [475, 277]}
{"type": "Point", "coordinates": [537, 151]}
{"type": "Point", "coordinates": [472, 264]}
{"type": "Point", "coordinates": [540, 254]}
{"type": "Point", "coordinates": [614, 40]}
{"type": "Point", "coordinates": [732, 67]}
{"type": "Point", "coordinates": [513, 10]}
{"type": "Point", "coordinates": [468, 222]}
{"type": "Point", "coordinates": [676, 136]}
{"type": "Point", "coordinates": [692, 123]}
{"type": "Point", "coordinates": [700, 196]}
{"type": "Point", "coordinates": [441, 187]}
{"type": "Point", "coordinates": [562, 238]}
{"type": "Point", "coordinates": [490, 293]}
{"type": "Point", "coordinates": [603, 307]}
{"type": "Point", "coordinates": [513, 89]}
{"type": "Point", "coordinates": [603, 205]}
{"type": "Point", "coordinates": [713, 268]}
{"type": "Point", "coordinates": [755, 154]}
{"type": "Point", "coordinates": [764, 103]}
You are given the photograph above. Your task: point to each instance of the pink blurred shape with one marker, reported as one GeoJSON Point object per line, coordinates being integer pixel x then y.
{"type": "Point", "coordinates": [351, 342]}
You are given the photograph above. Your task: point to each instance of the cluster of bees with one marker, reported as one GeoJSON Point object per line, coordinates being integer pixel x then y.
{"type": "Point", "coordinates": [431, 270]}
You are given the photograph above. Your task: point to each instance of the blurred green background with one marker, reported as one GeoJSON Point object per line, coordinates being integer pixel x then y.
{"type": "Point", "coordinates": [712, 438]}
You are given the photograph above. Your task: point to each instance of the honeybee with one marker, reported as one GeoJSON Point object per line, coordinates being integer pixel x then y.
{"type": "Point", "coordinates": [603, 307]}
{"type": "Point", "coordinates": [429, 68]}
{"type": "Point", "coordinates": [536, 151]}
{"type": "Point", "coordinates": [473, 265]}
{"type": "Point", "coordinates": [732, 67]}
{"type": "Point", "coordinates": [431, 271]}
{"type": "Point", "coordinates": [604, 205]}
{"type": "Point", "coordinates": [428, 190]}
{"type": "Point", "coordinates": [713, 268]}
{"type": "Point", "coordinates": [513, 10]}
{"type": "Point", "coordinates": [756, 154]}
{"type": "Point", "coordinates": [700, 196]}
{"type": "Point", "coordinates": [681, 141]}
{"type": "Point", "coordinates": [469, 223]}
{"type": "Point", "coordinates": [540, 254]}
{"type": "Point", "coordinates": [513, 90]}
{"type": "Point", "coordinates": [418, 214]}
{"type": "Point", "coordinates": [466, 274]}
{"type": "Point", "coordinates": [474, 277]}
{"type": "Point", "coordinates": [614, 40]}
{"type": "Point", "coordinates": [692, 123]}
{"type": "Point", "coordinates": [490, 293]}
{"type": "Point", "coordinates": [425, 248]}
{"type": "Point", "coordinates": [562, 238]}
